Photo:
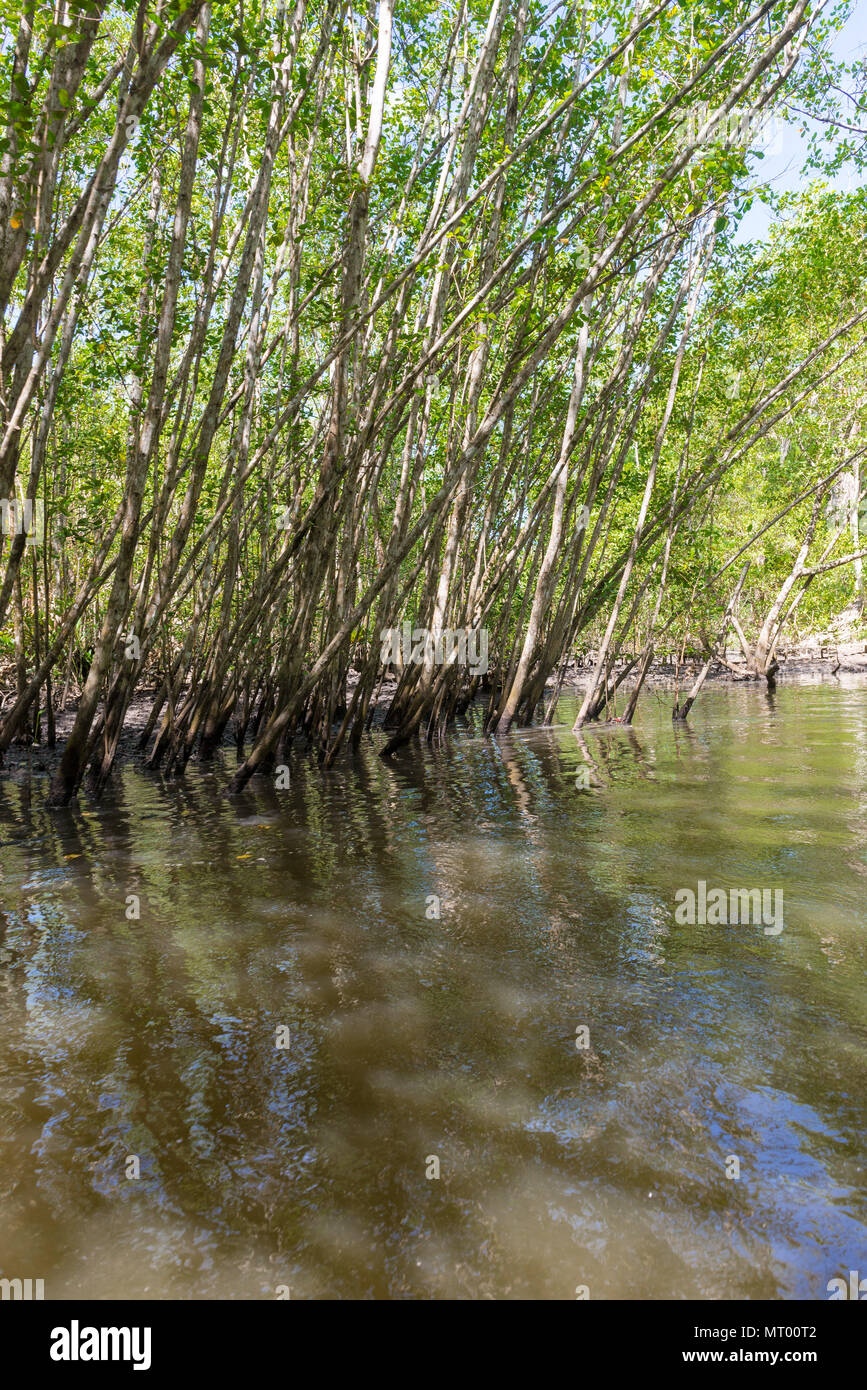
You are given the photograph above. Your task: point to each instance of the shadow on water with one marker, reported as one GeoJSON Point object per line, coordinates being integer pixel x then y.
{"type": "Point", "coordinates": [240, 1037]}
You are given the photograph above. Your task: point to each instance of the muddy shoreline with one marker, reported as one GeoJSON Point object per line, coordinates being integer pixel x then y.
{"type": "Point", "coordinates": [24, 761]}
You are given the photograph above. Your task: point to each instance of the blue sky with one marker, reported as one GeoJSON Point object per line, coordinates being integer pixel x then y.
{"type": "Point", "coordinates": [783, 169]}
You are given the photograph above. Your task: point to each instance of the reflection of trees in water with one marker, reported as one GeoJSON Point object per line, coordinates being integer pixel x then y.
{"type": "Point", "coordinates": [412, 1036]}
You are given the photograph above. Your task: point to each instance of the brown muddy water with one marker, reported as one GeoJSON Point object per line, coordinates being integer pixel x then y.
{"type": "Point", "coordinates": [308, 1167]}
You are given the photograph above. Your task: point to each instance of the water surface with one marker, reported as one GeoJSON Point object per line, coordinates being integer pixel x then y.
{"type": "Point", "coordinates": [411, 1038]}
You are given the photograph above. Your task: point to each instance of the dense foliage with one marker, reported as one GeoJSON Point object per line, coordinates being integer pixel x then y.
{"type": "Point", "coordinates": [320, 320]}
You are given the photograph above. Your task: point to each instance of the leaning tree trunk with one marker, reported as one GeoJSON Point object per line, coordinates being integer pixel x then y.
{"type": "Point", "coordinates": [681, 711]}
